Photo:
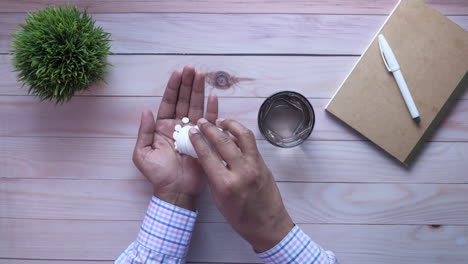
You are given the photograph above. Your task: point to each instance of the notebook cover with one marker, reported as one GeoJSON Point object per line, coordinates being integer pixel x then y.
{"type": "Point", "coordinates": [433, 55]}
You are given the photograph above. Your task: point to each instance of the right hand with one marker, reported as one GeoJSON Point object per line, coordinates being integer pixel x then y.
{"type": "Point", "coordinates": [244, 191]}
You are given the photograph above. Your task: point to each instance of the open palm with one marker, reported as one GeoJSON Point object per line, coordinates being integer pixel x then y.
{"type": "Point", "coordinates": [176, 178]}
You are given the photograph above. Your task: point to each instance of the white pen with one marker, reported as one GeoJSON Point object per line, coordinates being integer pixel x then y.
{"type": "Point", "coordinates": [392, 65]}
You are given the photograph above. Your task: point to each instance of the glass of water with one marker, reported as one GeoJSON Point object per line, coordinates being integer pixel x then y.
{"type": "Point", "coordinates": [286, 119]}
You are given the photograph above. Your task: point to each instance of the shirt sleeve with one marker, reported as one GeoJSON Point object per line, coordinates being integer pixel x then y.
{"type": "Point", "coordinates": [164, 236]}
{"type": "Point", "coordinates": [297, 247]}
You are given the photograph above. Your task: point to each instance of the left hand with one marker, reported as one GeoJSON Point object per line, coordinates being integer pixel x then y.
{"type": "Point", "coordinates": [176, 178]}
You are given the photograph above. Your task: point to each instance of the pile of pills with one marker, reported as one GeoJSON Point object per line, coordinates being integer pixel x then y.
{"type": "Point", "coordinates": [182, 141]}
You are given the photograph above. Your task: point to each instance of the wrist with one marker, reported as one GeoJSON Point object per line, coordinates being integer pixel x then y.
{"type": "Point", "coordinates": [273, 234]}
{"type": "Point", "coordinates": [178, 199]}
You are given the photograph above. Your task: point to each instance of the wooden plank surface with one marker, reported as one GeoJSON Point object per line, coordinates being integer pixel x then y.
{"type": "Point", "coordinates": [119, 117]}
{"type": "Point", "coordinates": [248, 76]}
{"type": "Point", "coordinates": [238, 6]}
{"type": "Point", "coordinates": [363, 244]}
{"type": "Point", "coordinates": [324, 203]}
{"type": "Point", "coordinates": [69, 192]}
{"type": "Point", "coordinates": [332, 161]}
{"type": "Point", "coordinates": [233, 33]}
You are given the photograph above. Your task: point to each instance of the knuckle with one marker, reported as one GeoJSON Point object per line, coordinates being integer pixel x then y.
{"type": "Point", "coordinates": [231, 188]}
{"type": "Point", "coordinates": [194, 137]}
{"type": "Point", "coordinates": [204, 153]}
{"type": "Point", "coordinates": [247, 133]}
{"type": "Point", "coordinates": [252, 177]}
{"type": "Point", "coordinates": [196, 106]}
{"type": "Point", "coordinates": [251, 172]}
{"type": "Point", "coordinates": [183, 100]}
{"type": "Point", "coordinates": [253, 182]}
{"type": "Point", "coordinates": [169, 100]}
{"type": "Point", "coordinates": [221, 140]}
{"type": "Point", "coordinates": [205, 126]}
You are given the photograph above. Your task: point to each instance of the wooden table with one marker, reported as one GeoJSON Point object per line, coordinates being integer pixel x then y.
{"type": "Point", "coordinates": [69, 192]}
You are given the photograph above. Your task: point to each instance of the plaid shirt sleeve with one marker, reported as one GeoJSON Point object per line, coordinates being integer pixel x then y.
{"type": "Point", "coordinates": [164, 236]}
{"type": "Point", "coordinates": [297, 248]}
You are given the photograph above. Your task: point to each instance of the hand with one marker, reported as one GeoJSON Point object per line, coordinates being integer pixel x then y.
{"type": "Point", "coordinates": [244, 190]}
{"type": "Point", "coordinates": [176, 178]}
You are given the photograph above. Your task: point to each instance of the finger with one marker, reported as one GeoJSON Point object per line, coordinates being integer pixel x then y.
{"type": "Point", "coordinates": [224, 145]}
{"type": "Point", "coordinates": [234, 139]}
{"type": "Point", "coordinates": [167, 107]}
{"type": "Point", "coordinates": [183, 100]}
{"type": "Point", "coordinates": [197, 99]}
{"type": "Point", "coordinates": [209, 160]}
{"type": "Point", "coordinates": [245, 137]}
{"type": "Point", "coordinates": [212, 108]}
{"type": "Point", "coordinates": [146, 131]}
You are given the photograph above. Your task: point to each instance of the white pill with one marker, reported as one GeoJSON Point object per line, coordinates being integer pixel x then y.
{"type": "Point", "coordinates": [178, 127]}
{"type": "Point", "coordinates": [175, 135]}
{"type": "Point", "coordinates": [185, 120]}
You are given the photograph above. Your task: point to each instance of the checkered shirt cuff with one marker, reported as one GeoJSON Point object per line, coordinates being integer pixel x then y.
{"type": "Point", "coordinates": [297, 247]}
{"type": "Point", "coordinates": [167, 228]}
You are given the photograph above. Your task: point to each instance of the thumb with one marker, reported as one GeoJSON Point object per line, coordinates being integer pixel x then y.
{"type": "Point", "coordinates": [208, 158]}
{"type": "Point", "coordinates": [146, 131]}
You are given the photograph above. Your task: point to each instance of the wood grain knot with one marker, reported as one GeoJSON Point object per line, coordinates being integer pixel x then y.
{"type": "Point", "coordinates": [223, 80]}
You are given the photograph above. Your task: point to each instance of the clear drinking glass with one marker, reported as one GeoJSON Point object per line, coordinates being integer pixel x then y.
{"type": "Point", "coordinates": [286, 119]}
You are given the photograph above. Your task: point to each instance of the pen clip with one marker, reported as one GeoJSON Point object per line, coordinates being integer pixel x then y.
{"type": "Point", "coordinates": [383, 57]}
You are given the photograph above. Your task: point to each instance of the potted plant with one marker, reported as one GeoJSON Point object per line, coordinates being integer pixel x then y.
{"type": "Point", "coordinates": [59, 51]}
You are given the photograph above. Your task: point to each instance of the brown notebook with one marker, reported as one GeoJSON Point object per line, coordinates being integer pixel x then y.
{"type": "Point", "coordinates": [433, 55]}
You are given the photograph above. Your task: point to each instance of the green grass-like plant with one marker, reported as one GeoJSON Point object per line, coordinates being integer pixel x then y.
{"type": "Point", "coordinates": [59, 51]}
